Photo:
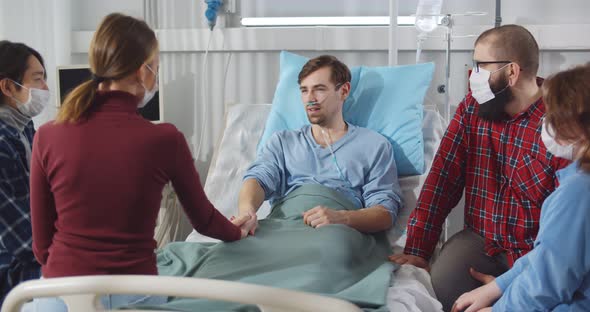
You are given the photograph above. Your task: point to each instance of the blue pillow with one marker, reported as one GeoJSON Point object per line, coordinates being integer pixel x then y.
{"type": "Point", "coordinates": [385, 99]}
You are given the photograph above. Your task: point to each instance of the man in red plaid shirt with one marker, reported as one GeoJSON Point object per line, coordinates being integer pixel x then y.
{"type": "Point", "coordinates": [493, 151]}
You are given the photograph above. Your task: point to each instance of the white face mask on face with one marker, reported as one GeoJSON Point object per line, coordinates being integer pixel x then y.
{"type": "Point", "coordinates": [149, 94]}
{"type": "Point", "coordinates": [38, 100]}
{"type": "Point", "coordinates": [566, 152]}
{"type": "Point", "coordinates": [479, 81]}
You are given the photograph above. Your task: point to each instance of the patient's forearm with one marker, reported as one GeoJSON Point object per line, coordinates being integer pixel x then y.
{"type": "Point", "coordinates": [251, 196]}
{"type": "Point", "coordinates": [373, 219]}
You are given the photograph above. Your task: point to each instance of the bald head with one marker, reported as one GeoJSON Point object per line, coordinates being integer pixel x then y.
{"type": "Point", "coordinates": [513, 43]}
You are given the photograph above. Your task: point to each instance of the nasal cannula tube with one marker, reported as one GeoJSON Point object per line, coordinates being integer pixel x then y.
{"type": "Point", "coordinates": [329, 145]}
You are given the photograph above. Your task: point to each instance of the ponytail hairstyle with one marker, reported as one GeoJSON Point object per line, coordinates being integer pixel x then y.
{"type": "Point", "coordinates": [567, 102]}
{"type": "Point", "coordinates": [119, 47]}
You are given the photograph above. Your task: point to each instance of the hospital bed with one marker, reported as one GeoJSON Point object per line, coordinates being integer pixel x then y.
{"type": "Point", "coordinates": [411, 289]}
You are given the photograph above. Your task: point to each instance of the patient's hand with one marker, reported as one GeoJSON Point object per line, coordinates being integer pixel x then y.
{"type": "Point", "coordinates": [410, 259]}
{"type": "Point", "coordinates": [252, 223]}
{"type": "Point", "coordinates": [320, 216]}
{"type": "Point", "coordinates": [240, 221]}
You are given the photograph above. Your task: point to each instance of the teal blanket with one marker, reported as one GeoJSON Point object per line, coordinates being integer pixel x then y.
{"type": "Point", "coordinates": [333, 260]}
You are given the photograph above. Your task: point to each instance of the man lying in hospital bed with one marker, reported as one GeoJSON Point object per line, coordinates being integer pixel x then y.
{"type": "Point", "coordinates": [318, 175]}
{"type": "Point", "coordinates": [285, 252]}
{"type": "Point", "coordinates": [329, 155]}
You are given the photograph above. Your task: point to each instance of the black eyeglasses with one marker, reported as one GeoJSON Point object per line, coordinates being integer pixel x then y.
{"type": "Point", "coordinates": [477, 63]}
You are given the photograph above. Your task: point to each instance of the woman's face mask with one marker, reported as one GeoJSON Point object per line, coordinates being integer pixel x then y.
{"type": "Point", "coordinates": [37, 101]}
{"type": "Point", "coordinates": [562, 151]}
{"type": "Point", "coordinates": [149, 94]}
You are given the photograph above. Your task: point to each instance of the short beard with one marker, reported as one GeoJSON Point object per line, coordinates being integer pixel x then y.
{"type": "Point", "coordinates": [320, 121]}
{"type": "Point", "coordinates": [495, 109]}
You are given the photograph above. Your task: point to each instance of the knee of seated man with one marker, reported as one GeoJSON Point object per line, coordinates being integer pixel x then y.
{"type": "Point", "coordinates": [465, 244]}
{"type": "Point", "coordinates": [450, 270]}
{"type": "Point", "coordinates": [458, 254]}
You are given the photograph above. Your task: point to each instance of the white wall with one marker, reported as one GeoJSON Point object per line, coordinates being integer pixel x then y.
{"type": "Point", "coordinates": [87, 14]}
{"type": "Point", "coordinates": [252, 74]}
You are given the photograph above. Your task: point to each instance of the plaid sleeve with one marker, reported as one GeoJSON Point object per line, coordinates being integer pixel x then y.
{"type": "Point", "coordinates": [442, 189]}
{"type": "Point", "coordinates": [15, 221]}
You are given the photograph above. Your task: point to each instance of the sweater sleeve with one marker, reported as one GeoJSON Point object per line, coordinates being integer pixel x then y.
{"type": "Point", "coordinates": [204, 217]}
{"type": "Point", "coordinates": [43, 211]}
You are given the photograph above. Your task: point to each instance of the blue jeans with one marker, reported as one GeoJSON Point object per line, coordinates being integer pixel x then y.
{"type": "Point", "coordinates": [108, 302]}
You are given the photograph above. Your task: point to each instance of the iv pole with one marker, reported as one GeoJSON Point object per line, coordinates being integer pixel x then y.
{"type": "Point", "coordinates": [447, 21]}
{"type": "Point", "coordinates": [393, 12]}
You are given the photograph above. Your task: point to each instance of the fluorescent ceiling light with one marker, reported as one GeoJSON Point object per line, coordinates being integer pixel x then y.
{"type": "Point", "coordinates": [326, 21]}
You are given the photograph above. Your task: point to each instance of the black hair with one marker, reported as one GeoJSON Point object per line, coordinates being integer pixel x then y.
{"type": "Point", "coordinates": [14, 58]}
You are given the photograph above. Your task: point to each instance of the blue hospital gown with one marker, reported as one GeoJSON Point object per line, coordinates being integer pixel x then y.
{"type": "Point", "coordinates": [292, 158]}
{"type": "Point", "coordinates": [555, 275]}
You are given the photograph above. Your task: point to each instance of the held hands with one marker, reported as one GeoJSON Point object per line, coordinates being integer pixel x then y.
{"type": "Point", "coordinates": [321, 215]}
{"type": "Point", "coordinates": [252, 224]}
{"type": "Point", "coordinates": [247, 223]}
{"type": "Point", "coordinates": [239, 222]}
{"type": "Point", "coordinates": [410, 259]}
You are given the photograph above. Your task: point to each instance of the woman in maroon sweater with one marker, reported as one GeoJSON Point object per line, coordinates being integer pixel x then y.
{"type": "Point", "coordinates": [98, 170]}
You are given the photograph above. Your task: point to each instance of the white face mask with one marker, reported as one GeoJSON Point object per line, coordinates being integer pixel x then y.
{"type": "Point", "coordinates": [38, 100]}
{"type": "Point", "coordinates": [566, 152]}
{"type": "Point", "coordinates": [479, 81]}
{"type": "Point", "coordinates": [149, 94]}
